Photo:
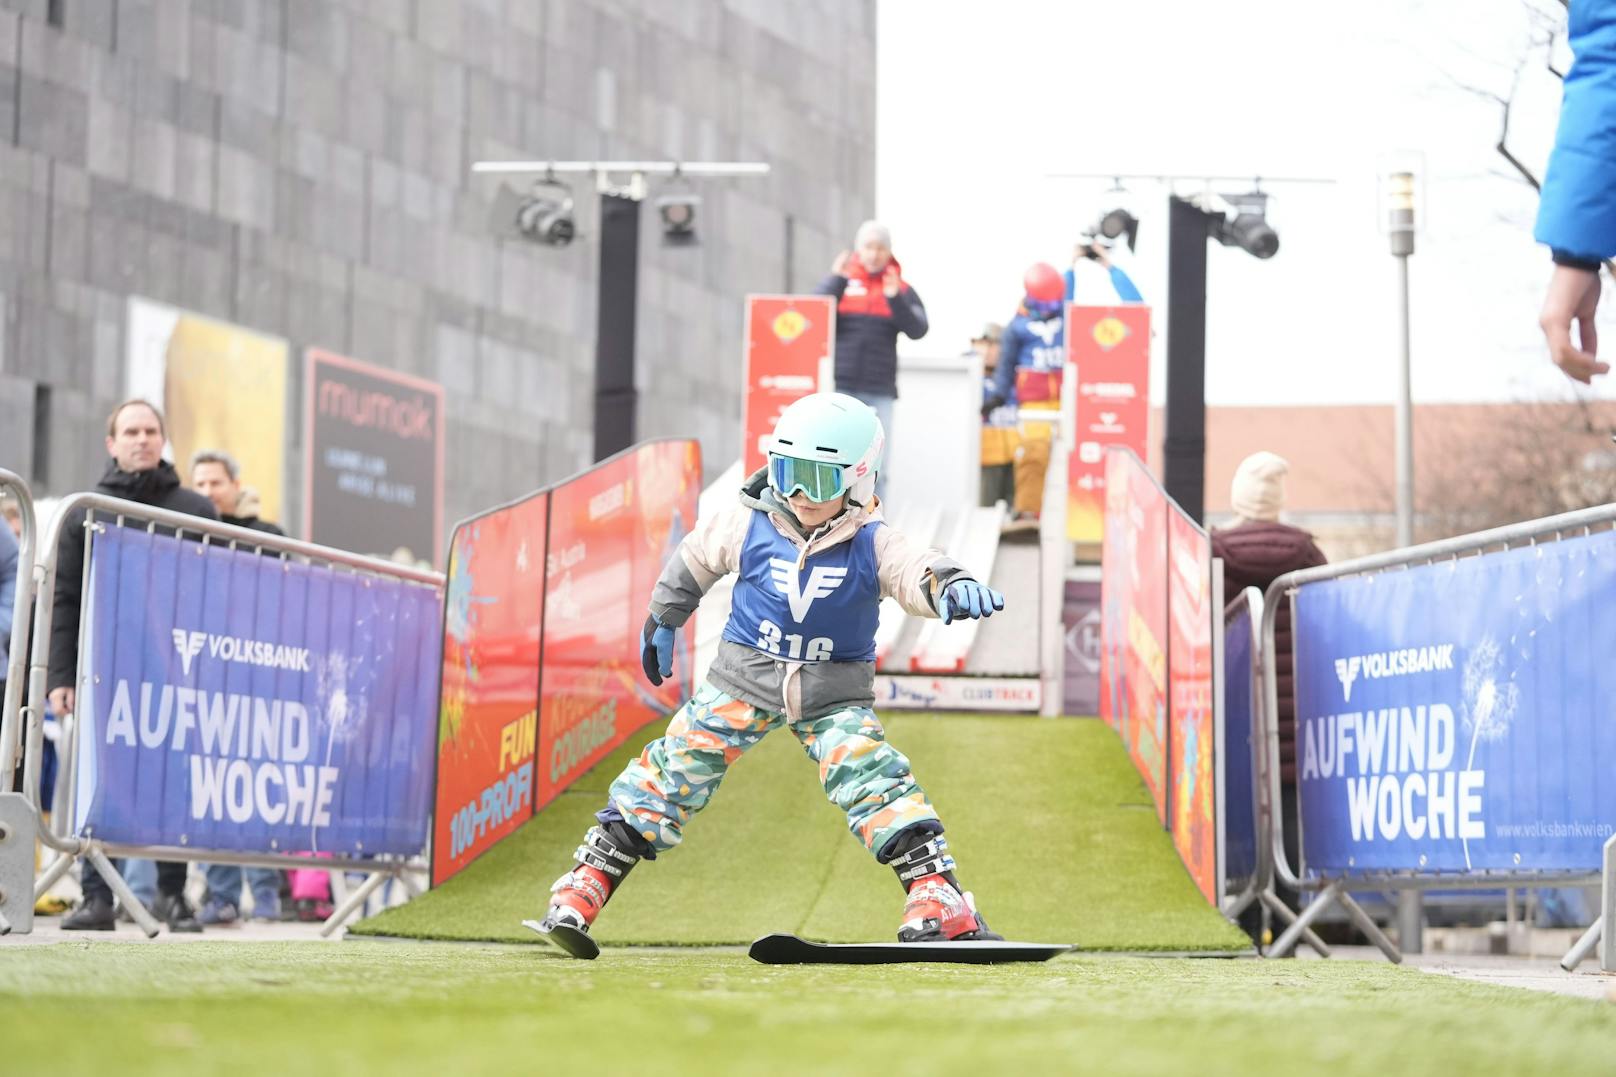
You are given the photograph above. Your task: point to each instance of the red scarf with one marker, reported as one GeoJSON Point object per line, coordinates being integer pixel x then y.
{"type": "Point", "coordinates": [864, 293]}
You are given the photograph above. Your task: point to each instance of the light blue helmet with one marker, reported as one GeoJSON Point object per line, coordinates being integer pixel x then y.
{"type": "Point", "coordinates": [827, 444]}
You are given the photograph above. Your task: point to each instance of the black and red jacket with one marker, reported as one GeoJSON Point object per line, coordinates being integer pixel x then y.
{"type": "Point", "coordinates": [867, 328]}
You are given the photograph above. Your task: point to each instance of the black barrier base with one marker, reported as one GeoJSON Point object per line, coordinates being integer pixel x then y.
{"type": "Point", "coordinates": [790, 950]}
{"type": "Point", "coordinates": [569, 940]}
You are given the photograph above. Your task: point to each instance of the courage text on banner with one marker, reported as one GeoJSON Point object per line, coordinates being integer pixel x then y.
{"type": "Point", "coordinates": [611, 531]}
{"type": "Point", "coordinates": [243, 702]}
{"type": "Point", "coordinates": [1455, 717]}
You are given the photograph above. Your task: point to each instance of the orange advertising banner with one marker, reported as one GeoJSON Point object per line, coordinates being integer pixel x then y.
{"type": "Point", "coordinates": [1192, 732]}
{"type": "Point", "coordinates": [789, 340]}
{"type": "Point", "coordinates": [1110, 347]}
{"type": "Point", "coordinates": [611, 531]}
{"type": "Point", "coordinates": [488, 702]}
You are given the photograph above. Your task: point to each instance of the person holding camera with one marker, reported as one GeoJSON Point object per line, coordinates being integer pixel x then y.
{"type": "Point", "coordinates": [1085, 283]}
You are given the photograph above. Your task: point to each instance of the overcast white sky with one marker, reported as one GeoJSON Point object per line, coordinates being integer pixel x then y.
{"type": "Point", "coordinates": [979, 101]}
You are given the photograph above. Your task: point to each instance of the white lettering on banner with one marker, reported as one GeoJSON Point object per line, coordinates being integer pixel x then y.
{"type": "Point", "coordinates": [234, 649]}
{"type": "Point", "coordinates": [279, 728]}
{"type": "Point", "coordinates": [608, 501]}
{"type": "Point", "coordinates": [1122, 390]}
{"type": "Point", "coordinates": [1392, 664]}
{"type": "Point", "coordinates": [240, 790]}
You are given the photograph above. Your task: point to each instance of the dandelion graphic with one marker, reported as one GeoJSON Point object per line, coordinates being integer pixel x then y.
{"type": "Point", "coordinates": [1489, 704]}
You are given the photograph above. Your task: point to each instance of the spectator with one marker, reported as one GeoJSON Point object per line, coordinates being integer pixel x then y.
{"type": "Point", "coordinates": [1118, 287]}
{"type": "Point", "coordinates": [135, 472]}
{"type": "Point", "coordinates": [8, 599]}
{"type": "Point", "coordinates": [999, 436]}
{"type": "Point", "coordinates": [1576, 215]}
{"type": "Point", "coordinates": [1030, 373]}
{"type": "Point", "coordinates": [873, 305]}
{"type": "Point", "coordinates": [217, 476]}
{"type": "Point", "coordinates": [13, 515]}
{"type": "Point", "coordinates": [1256, 551]}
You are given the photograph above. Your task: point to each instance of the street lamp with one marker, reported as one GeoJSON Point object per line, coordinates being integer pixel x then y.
{"type": "Point", "coordinates": [1400, 192]}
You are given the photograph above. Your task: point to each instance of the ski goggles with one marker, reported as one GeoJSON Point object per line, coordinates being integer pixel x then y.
{"type": "Point", "coordinates": [818, 480]}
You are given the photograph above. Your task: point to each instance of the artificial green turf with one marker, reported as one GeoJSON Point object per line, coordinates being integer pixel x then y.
{"type": "Point", "coordinates": [1051, 826]}
{"type": "Point", "coordinates": [356, 1008]}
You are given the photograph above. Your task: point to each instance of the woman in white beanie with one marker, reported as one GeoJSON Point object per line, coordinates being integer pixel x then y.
{"type": "Point", "coordinates": [1256, 551]}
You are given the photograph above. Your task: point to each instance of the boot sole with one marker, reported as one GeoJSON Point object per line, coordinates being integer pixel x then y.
{"type": "Point", "coordinates": [567, 939]}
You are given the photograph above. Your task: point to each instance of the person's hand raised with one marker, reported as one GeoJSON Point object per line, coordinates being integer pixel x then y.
{"type": "Point", "coordinates": [839, 266]}
{"type": "Point", "coordinates": [1573, 297]}
{"type": "Point", "coordinates": [891, 282]}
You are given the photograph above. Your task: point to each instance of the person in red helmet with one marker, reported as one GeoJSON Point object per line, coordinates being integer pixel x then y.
{"type": "Point", "coordinates": [1031, 357]}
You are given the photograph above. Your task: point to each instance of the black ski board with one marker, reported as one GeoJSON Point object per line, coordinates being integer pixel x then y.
{"type": "Point", "coordinates": [790, 950]}
{"type": "Point", "coordinates": [569, 940]}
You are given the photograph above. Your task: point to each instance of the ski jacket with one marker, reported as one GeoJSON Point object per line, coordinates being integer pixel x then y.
{"type": "Point", "coordinates": [1031, 358]}
{"type": "Point", "coordinates": [756, 664]}
{"type": "Point", "coordinates": [867, 328]}
{"type": "Point", "coordinates": [1576, 214]}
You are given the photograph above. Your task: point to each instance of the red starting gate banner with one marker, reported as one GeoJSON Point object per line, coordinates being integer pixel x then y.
{"type": "Point", "coordinates": [1110, 347]}
{"type": "Point", "coordinates": [789, 342]}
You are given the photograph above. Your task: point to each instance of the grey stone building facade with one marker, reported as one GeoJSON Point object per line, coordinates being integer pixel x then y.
{"type": "Point", "coordinates": [303, 168]}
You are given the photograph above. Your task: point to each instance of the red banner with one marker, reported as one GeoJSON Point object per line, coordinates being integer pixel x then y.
{"type": "Point", "coordinates": [488, 704]}
{"type": "Point", "coordinates": [1189, 675]}
{"type": "Point", "coordinates": [1133, 619]}
{"type": "Point", "coordinates": [1110, 347]}
{"type": "Point", "coordinates": [788, 339]}
{"type": "Point", "coordinates": [611, 531]}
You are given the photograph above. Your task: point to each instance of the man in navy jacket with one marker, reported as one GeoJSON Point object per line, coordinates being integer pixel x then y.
{"type": "Point", "coordinates": [873, 305]}
{"type": "Point", "coordinates": [1577, 214]}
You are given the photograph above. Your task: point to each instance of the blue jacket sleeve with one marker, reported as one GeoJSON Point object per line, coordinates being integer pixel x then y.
{"type": "Point", "coordinates": [8, 592]}
{"type": "Point", "coordinates": [1071, 285]}
{"type": "Point", "coordinates": [835, 285]}
{"type": "Point", "coordinates": [909, 313]}
{"type": "Point", "coordinates": [1010, 345]}
{"type": "Point", "coordinates": [1577, 212]}
{"type": "Point", "coordinates": [1124, 286]}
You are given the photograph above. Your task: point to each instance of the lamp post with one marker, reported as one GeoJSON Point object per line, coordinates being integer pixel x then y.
{"type": "Point", "coordinates": [1400, 231]}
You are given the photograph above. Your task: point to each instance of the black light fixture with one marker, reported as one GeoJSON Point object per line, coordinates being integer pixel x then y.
{"type": "Point", "coordinates": [678, 213]}
{"type": "Point", "coordinates": [545, 215]}
{"type": "Point", "coordinates": [1247, 227]}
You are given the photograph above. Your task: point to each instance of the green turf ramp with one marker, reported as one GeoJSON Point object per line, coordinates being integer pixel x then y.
{"type": "Point", "coordinates": [1051, 826]}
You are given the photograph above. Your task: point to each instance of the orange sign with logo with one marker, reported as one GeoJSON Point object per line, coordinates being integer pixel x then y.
{"type": "Point", "coordinates": [789, 338]}
{"type": "Point", "coordinates": [1110, 348]}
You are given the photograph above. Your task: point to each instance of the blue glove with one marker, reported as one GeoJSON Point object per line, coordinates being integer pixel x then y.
{"type": "Point", "coordinates": [967, 598]}
{"type": "Point", "coordinates": [656, 650]}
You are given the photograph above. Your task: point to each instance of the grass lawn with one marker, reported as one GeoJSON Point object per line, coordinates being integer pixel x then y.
{"type": "Point", "coordinates": [373, 1007]}
{"type": "Point", "coordinates": [1051, 826]}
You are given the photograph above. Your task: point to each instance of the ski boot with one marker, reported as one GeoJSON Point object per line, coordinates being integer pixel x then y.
{"type": "Point", "coordinates": [604, 860]}
{"type": "Point", "coordinates": [938, 910]}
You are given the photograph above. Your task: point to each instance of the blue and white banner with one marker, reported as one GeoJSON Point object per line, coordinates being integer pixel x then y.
{"type": "Point", "coordinates": [1460, 717]}
{"type": "Point", "coordinates": [1240, 792]}
{"type": "Point", "coordinates": [238, 701]}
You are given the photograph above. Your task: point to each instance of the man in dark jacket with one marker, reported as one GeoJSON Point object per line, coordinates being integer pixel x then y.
{"type": "Point", "coordinates": [136, 472]}
{"type": "Point", "coordinates": [1256, 551]}
{"type": "Point", "coordinates": [873, 305]}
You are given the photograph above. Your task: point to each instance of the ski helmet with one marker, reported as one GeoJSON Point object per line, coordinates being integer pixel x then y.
{"type": "Point", "coordinates": [1043, 283]}
{"type": "Point", "coordinates": [827, 444]}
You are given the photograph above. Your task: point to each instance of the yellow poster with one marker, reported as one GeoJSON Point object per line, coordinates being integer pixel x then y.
{"type": "Point", "coordinates": [220, 387]}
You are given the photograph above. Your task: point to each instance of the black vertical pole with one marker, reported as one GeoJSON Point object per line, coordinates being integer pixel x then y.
{"type": "Point", "coordinates": [616, 399]}
{"type": "Point", "coordinates": [1184, 446]}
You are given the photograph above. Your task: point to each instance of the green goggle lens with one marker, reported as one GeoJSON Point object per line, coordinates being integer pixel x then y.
{"type": "Point", "coordinates": [818, 480]}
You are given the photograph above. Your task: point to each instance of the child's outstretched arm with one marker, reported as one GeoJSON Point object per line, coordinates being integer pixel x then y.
{"type": "Point", "coordinates": [708, 553]}
{"type": "Point", "coordinates": [928, 583]}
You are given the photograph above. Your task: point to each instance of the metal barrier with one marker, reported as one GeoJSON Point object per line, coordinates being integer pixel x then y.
{"type": "Point", "coordinates": [16, 820]}
{"type": "Point", "coordinates": [1259, 887]}
{"type": "Point", "coordinates": [93, 850]}
{"type": "Point", "coordinates": [1334, 891]}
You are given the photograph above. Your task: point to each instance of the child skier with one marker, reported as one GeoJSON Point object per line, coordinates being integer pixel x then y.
{"type": "Point", "coordinates": [814, 560]}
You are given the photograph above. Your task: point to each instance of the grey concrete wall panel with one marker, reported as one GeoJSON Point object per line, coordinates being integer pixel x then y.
{"type": "Point", "coordinates": [302, 168]}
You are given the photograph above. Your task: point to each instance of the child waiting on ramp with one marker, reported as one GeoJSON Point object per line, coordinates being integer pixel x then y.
{"type": "Point", "coordinates": [814, 560]}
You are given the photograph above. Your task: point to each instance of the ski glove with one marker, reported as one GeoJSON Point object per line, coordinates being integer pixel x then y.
{"type": "Point", "coordinates": [656, 650]}
{"type": "Point", "coordinates": [991, 404]}
{"type": "Point", "coordinates": [967, 598]}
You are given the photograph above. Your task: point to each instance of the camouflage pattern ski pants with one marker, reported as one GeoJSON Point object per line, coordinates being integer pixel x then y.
{"type": "Point", "coordinates": [676, 775]}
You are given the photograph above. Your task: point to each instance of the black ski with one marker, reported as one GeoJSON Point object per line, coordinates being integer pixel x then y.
{"type": "Point", "coordinates": [790, 950]}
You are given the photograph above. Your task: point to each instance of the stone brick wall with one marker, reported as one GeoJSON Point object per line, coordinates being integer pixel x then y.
{"type": "Point", "coordinates": [302, 168]}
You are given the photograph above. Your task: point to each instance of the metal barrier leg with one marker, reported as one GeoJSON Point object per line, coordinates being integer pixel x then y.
{"type": "Point", "coordinates": [1293, 934]}
{"type": "Point", "coordinates": [356, 901]}
{"type": "Point", "coordinates": [1584, 946]}
{"type": "Point", "coordinates": [1411, 920]}
{"type": "Point", "coordinates": [1607, 896]}
{"type": "Point", "coordinates": [411, 887]}
{"type": "Point", "coordinates": [135, 907]}
{"type": "Point", "coordinates": [1239, 905]}
{"type": "Point", "coordinates": [1367, 925]}
{"type": "Point", "coordinates": [5, 925]}
{"type": "Point", "coordinates": [54, 871]}
{"type": "Point", "coordinates": [1278, 908]}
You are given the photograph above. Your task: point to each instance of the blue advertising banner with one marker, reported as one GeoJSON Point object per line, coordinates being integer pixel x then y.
{"type": "Point", "coordinates": [243, 702]}
{"type": "Point", "coordinates": [1240, 805]}
{"type": "Point", "coordinates": [1457, 716]}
